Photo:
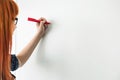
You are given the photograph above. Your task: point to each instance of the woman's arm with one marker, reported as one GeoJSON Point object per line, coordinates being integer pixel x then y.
{"type": "Point", "coordinates": [26, 52]}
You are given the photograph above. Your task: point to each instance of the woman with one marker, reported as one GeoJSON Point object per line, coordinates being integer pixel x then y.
{"type": "Point", "coordinates": [8, 21]}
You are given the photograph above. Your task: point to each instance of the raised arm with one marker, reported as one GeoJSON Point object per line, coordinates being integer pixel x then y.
{"type": "Point", "coordinates": [26, 52]}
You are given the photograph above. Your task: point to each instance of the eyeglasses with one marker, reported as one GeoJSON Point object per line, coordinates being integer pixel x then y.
{"type": "Point", "coordinates": [16, 21]}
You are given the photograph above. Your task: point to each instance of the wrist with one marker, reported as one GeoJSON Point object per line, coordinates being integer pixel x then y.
{"type": "Point", "coordinates": [39, 34]}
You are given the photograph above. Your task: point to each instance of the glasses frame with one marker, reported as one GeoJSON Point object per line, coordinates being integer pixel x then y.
{"type": "Point", "coordinates": [16, 21]}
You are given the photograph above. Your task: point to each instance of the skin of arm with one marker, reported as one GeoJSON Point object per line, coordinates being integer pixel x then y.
{"type": "Point", "coordinates": [26, 52]}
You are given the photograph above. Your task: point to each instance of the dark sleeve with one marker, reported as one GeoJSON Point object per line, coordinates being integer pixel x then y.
{"type": "Point", "coordinates": [14, 63]}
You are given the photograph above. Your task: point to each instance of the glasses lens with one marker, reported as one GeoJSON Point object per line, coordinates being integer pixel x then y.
{"type": "Point", "coordinates": [16, 20]}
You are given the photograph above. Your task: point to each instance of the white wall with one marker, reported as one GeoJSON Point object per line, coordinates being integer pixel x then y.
{"type": "Point", "coordinates": [83, 42]}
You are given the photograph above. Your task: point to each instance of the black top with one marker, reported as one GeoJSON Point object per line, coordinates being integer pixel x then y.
{"type": "Point", "coordinates": [14, 62]}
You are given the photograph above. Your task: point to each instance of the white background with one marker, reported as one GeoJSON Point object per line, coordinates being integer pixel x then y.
{"type": "Point", "coordinates": [82, 43]}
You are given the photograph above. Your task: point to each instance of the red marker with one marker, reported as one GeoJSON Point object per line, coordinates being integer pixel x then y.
{"type": "Point", "coordinates": [35, 20]}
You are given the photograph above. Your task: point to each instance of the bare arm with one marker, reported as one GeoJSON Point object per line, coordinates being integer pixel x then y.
{"type": "Point", "coordinates": [26, 52]}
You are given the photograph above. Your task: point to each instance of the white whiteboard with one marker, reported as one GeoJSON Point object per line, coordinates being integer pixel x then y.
{"type": "Point", "coordinates": [83, 42]}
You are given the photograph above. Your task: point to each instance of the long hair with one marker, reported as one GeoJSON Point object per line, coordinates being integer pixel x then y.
{"type": "Point", "coordinates": [8, 12]}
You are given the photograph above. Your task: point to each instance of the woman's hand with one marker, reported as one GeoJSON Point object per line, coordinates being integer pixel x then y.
{"type": "Point", "coordinates": [24, 55]}
{"type": "Point", "coordinates": [42, 27]}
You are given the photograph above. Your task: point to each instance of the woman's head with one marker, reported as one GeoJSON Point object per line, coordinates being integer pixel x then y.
{"type": "Point", "coordinates": [8, 13]}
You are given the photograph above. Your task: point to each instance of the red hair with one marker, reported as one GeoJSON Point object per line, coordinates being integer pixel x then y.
{"type": "Point", "coordinates": [8, 12]}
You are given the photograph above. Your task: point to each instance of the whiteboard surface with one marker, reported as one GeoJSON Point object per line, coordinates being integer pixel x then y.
{"type": "Point", "coordinates": [82, 43]}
